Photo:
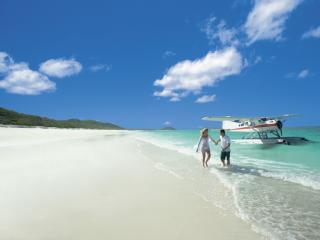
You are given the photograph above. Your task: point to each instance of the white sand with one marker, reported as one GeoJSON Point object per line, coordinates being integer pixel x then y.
{"type": "Point", "coordinates": [94, 184]}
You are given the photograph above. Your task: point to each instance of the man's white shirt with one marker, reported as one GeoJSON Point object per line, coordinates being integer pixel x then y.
{"type": "Point", "coordinates": [224, 141]}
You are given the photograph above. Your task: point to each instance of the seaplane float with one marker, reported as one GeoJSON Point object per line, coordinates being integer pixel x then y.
{"type": "Point", "coordinates": [261, 130]}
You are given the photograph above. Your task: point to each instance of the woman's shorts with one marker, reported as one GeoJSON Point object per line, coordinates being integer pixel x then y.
{"type": "Point", "coordinates": [205, 150]}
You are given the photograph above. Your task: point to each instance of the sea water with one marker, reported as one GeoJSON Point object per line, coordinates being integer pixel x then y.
{"type": "Point", "coordinates": [276, 188]}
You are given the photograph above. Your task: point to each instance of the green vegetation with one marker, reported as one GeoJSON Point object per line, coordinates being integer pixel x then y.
{"type": "Point", "coordinates": [8, 117]}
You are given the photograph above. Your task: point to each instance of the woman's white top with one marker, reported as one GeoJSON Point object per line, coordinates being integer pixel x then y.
{"type": "Point", "coordinates": [204, 143]}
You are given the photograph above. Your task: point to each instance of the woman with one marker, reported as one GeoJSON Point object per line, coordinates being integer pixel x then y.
{"type": "Point", "coordinates": [204, 146]}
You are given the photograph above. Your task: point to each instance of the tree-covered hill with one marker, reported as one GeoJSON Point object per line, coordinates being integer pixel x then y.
{"type": "Point", "coordinates": [168, 128]}
{"type": "Point", "coordinates": [8, 117]}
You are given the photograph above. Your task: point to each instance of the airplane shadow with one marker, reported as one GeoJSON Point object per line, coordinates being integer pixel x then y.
{"type": "Point", "coordinates": [271, 146]}
{"type": "Point", "coordinates": [267, 146]}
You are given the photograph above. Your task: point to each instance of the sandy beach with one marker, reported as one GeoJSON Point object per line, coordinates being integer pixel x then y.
{"type": "Point", "coordinates": [98, 184]}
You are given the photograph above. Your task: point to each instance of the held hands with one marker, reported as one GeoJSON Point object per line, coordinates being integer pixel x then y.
{"type": "Point", "coordinates": [215, 142]}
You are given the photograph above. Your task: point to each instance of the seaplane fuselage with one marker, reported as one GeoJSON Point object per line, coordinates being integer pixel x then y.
{"type": "Point", "coordinates": [260, 125]}
{"type": "Point", "coordinates": [261, 130]}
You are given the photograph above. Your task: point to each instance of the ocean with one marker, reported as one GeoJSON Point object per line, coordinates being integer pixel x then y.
{"type": "Point", "coordinates": [275, 188]}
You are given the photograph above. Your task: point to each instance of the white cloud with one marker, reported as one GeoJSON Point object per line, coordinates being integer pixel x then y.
{"type": "Point", "coordinates": [167, 123]}
{"type": "Point", "coordinates": [303, 74]}
{"type": "Point", "coordinates": [207, 28]}
{"type": "Point", "coordinates": [219, 32]}
{"type": "Point", "coordinates": [60, 67]}
{"type": "Point", "coordinates": [5, 62]}
{"type": "Point", "coordinates": [258, 59]}
{"type": "Point", "coordinates": [191, 76]}
{"type": "Point", "coordinates": [168, 54]}
{"type": "Point", "coordinates": [315, 32]}
{"type": "Point", "coordinates": [267, 19]}
{"type": "Point", "coordinates": [20, 79]}
{"type": "Point", "coordinates": [101, 67]}
{"type": "Point", "coordinates": [290, 75]}
{"type": "Point", "coordinates": [175, 99]}
{"type": "Point", "coordinates": [206, 99]}
{"type": "Point", "coordinates": [28, 82]}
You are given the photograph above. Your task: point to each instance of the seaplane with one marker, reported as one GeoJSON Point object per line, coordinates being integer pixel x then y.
{"type": "Point", "coordinates": [261, 130]}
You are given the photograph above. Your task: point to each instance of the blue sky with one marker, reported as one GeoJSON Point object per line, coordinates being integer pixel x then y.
{"type": "Point", "coordinates": [142, 64]}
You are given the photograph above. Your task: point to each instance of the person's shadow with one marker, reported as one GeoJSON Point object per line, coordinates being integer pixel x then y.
{"type": "Point", "coordinates": [238, 169]}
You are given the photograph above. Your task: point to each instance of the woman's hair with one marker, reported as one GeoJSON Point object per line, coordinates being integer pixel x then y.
{"type": "Point", "coordinates": [203, 130]}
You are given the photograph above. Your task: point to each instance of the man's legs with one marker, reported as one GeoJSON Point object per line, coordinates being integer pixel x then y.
{"type": "Point", "coordinates": [222, 158]}
{"type": "Point", "coordinates": [228, 158]}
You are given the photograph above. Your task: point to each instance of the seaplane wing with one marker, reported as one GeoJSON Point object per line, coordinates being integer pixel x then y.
{"type": "Point", "coordinates": [243, 119]}
{"type": "Point", "coordinates": [228, 118]}
{"type": "Point", "coordinates": [284, 117]}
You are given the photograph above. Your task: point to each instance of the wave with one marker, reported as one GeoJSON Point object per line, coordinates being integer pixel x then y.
{"type": "Point", "coordinates": [289, 172]}
{"type": "Point", "coordinates": [262, 192]}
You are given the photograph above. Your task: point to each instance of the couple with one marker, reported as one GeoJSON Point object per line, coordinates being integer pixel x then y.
{"type": "Point", "coordinates": [205, 148]}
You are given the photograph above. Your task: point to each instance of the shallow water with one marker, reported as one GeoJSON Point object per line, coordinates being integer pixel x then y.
{"type": "Point", "coordinates": [276, 188]}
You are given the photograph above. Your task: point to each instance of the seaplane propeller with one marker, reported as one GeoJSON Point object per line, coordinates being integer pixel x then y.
{"type": "Point", "coordinates": [279, 125]}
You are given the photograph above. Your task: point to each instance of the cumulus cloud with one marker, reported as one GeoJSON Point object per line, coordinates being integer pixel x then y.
{"type": "Point", "coordinates": [60, 67]}
{"type": "Point", "coordinates": [5, 62]}
{"type": "Point", "coordinates": [258, 59]}
{"type": "Point", "coordinates": [191, 76]}
{"type": "Point", "coordinates": [20, 79]}
{"type": "Point", "coordinates": [168, 54]}
{"type": "Point", "coordinates": [267, 19]}
{"type": "Point", "coordinates": [219, 32]}
{"type": "Point", "coordinates": [101, 67]}
{"type": "Point", "coordinates": [175, 99]}
{"type": "Point", "coordinates": [290, 75]}
{"type": "Point", "coordinates": [315, 32]}
{"type": "Point", "coordinates": [303, 74]}
{"type": "Point", "coordinates": [167, 123]}
{"type": "Point", "coordinates": [206, 98]}
{"type": "Point", "coordinates": [26, 81]}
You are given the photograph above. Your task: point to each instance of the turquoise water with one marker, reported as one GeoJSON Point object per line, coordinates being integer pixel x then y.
{"type": "Point", "coordinates": [276, 188]}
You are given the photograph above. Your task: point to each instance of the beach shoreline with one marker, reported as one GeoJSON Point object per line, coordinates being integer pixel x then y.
{"type": "Point", "coordinates": [99, 184]}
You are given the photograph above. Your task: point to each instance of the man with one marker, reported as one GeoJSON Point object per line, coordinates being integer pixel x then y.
{"type": "Point", "coordinates": [225, 147]}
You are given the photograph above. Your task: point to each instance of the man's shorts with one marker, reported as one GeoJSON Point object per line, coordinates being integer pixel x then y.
{"type": "Point", "coordinates": [225, 155]}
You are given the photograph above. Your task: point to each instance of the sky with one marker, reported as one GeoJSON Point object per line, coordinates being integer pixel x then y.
{"type": "Point", "coordinates": [149, 64]}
